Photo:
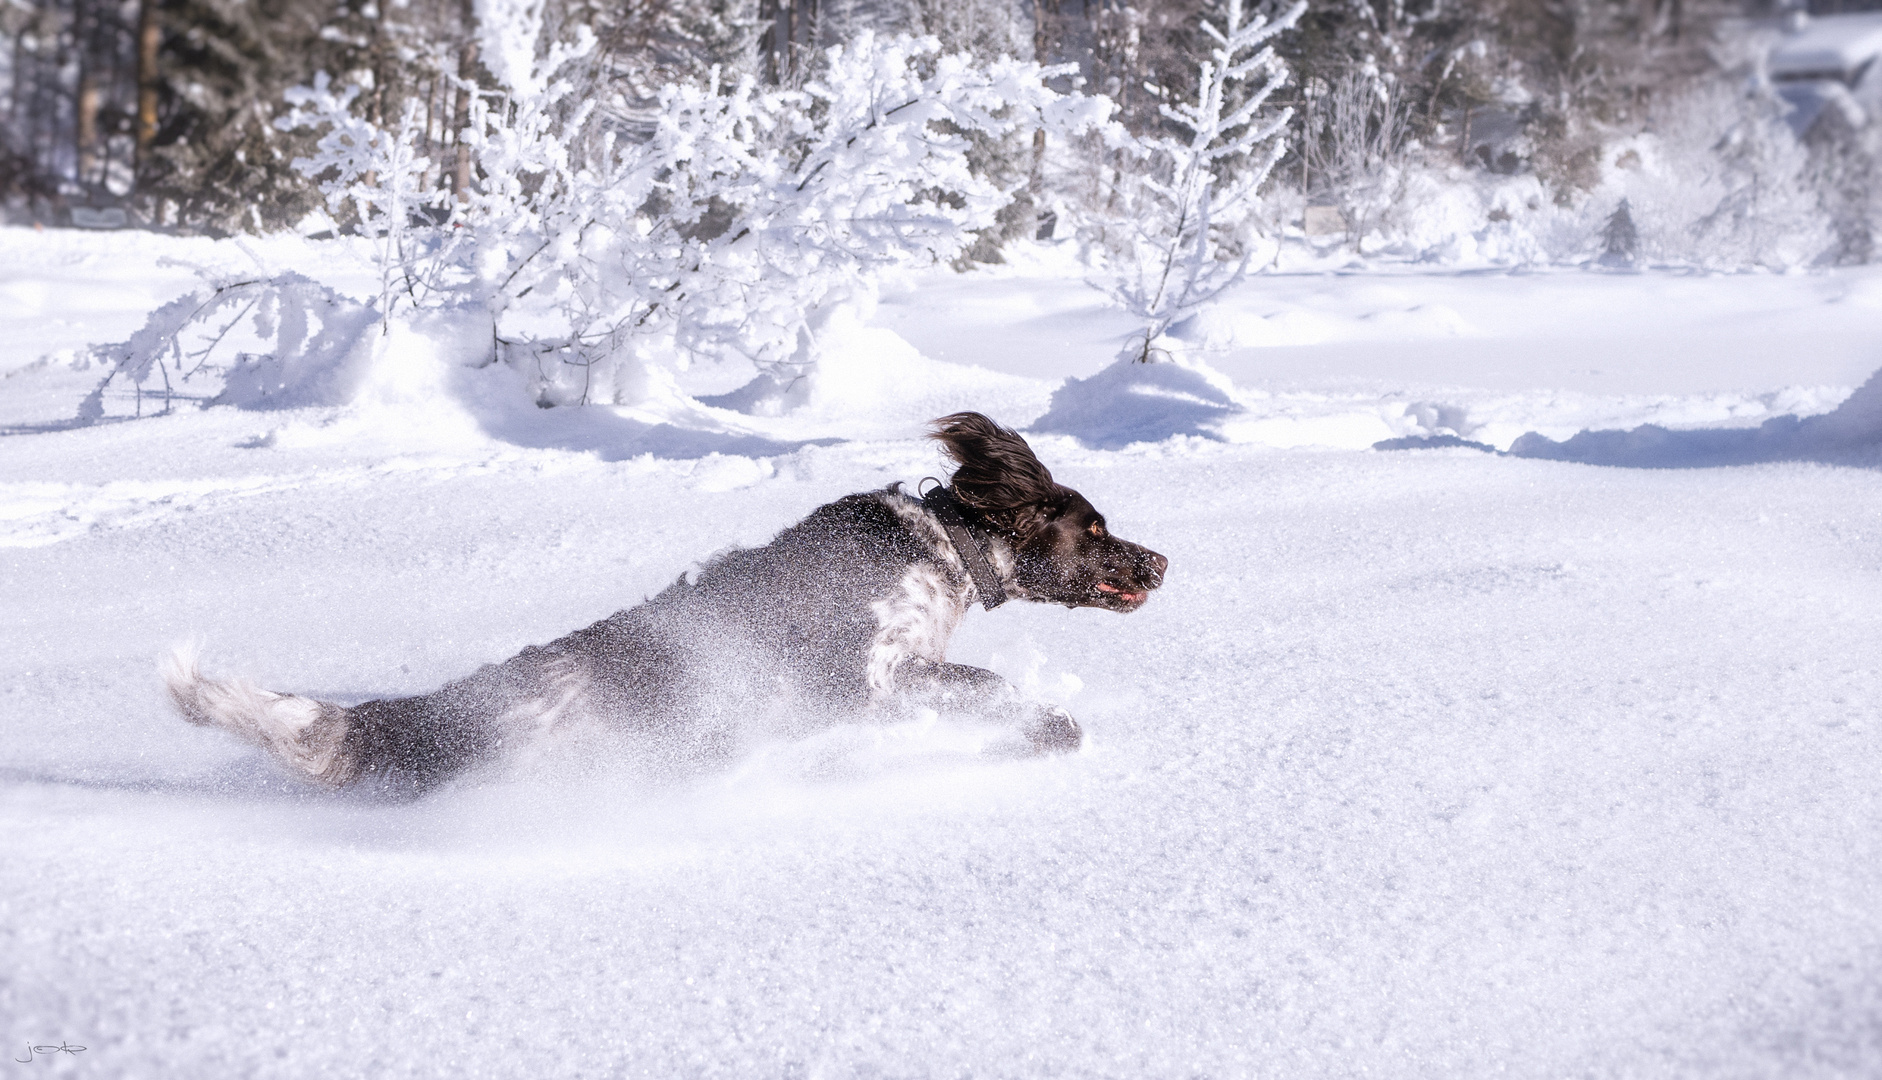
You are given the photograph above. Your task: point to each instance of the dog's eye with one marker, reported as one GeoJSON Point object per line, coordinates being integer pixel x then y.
{"type": "Point", "coordinates": [1097, 529]}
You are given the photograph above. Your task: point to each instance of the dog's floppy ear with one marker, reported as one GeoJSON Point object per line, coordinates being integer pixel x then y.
{"type": "Point", "coordinates": [998, 476]}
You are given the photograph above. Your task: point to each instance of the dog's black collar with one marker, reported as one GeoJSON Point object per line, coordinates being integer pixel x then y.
{"type": "Point", "coordinates": [969, 542]}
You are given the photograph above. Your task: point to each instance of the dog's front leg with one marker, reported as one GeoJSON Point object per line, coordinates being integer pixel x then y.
{"type": "Point", "coordinates": [960, 689]}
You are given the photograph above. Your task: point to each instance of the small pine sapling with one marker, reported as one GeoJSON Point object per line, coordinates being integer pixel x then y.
{"type": "Point", "coordinates": [1620, 241]}
{"type": "Point", "coordinates": [1180, 239]}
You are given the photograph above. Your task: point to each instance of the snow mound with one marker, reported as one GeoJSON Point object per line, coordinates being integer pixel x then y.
{"type": "Point", "coordinates": [1851, 434]}
{"type": "Point", "coordinates": [280, 342]}
{"type": "Point", "coordinates": [869, 383]}
{"type": "Point", "coordinates": [322, 348]}
{"type": "Point", "coordinates": [424, 389]}
{"type": "Point", "coordinates": [1132, 402]}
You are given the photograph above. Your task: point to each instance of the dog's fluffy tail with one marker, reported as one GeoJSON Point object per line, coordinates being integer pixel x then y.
{"type": "Point", "coordinates": [308, 736]}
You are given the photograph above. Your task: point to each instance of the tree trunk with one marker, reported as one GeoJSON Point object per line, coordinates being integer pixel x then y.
{"type": "Point", "coordinates": [790, 39]}
{"type": "Point", "coordinates": [768, 41]}
{"type": "Point", "coordinates": [1041, 51]}
{"type": "Point", "coordinates": [86, 128]}
{"type": "Point", "coordinates": [460, 173]}
{"type": "Point", "coordinates": [149, 82]}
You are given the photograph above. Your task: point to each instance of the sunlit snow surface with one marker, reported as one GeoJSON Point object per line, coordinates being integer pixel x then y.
{"type": "Point", "coordinates": [1423, 764]}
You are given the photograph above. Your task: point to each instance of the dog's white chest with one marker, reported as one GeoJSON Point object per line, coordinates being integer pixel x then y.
{"type": "Point", "coordinates": [914, 622]}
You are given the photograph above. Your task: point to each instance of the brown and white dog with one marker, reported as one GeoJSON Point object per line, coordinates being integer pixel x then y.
{"type": "Point", "coordinates": [847, 613]}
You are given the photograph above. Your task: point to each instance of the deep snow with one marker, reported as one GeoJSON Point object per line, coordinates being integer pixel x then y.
{"type": "Point", "coordinates": [1422, 764]}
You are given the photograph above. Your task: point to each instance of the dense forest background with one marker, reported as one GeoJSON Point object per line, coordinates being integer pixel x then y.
{"type": "Point", "coordinates": [165, 109]}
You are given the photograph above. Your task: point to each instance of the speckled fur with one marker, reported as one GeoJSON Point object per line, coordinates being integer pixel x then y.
{"type": "Point", "coordinates": [915, 623]}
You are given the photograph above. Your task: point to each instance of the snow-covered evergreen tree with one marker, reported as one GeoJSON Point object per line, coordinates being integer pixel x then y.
{"type": "Point", "coordinates": [1620, 240]}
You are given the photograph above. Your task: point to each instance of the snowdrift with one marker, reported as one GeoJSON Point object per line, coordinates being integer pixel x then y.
{"type": "Point", "coordinates": [1851, 434]}
{"type": "Point", "coordinates": [1133, 402]}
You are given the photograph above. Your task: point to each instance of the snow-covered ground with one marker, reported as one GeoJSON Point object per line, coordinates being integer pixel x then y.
{"type": "Point", "coordinates": [1422, 764]}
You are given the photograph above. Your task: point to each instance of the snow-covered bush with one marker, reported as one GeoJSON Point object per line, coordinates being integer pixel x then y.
{"type": "Point", "coordinates": [275, 341]}
{"type": "Point", "coordinates": [1717, 180]}
{"type": "Point", "coordinates": [371, 177]}
{"type": "Point", "coordinates": [1176, 232]}
{"type": "Point", "coordinates": [734, 230]}
{"type": "Point", "coordinates": [864, 169]}
{"type": "Point", "coordinates": [1764, 213]}
{"type": "Point", "coordinates": [1845, 171]}
{"type": "Point", "coordinates": [750, 215]}
{"type": "Point", "coordinates": [1354, 141]}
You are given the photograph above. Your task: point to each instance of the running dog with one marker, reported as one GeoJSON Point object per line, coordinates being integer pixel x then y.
{"type": "Point", "coordinates": [847, 613]}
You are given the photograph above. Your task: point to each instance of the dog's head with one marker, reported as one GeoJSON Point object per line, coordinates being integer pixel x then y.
{"type": "Point", "coordinates": [1063, 551]}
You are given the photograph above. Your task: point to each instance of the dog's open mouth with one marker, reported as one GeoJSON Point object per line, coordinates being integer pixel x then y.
{"type": "Point", "coordinates": [1126, 595]}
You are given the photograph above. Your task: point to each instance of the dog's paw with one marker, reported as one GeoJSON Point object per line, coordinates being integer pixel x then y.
{"type": "Point", "coordinates": [1054, 732]}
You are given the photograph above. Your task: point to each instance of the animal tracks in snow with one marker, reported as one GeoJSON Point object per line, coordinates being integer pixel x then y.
{"type": "Point", "coordinates": [35, 514]}
{"type": "Point", "coordinates": [39, 513]}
